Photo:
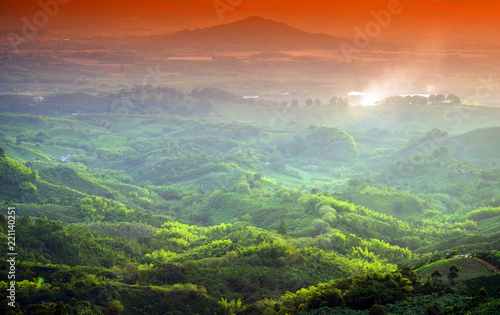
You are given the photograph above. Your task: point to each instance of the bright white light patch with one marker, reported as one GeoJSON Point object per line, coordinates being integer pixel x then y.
{"type": "Point", "coordinates": [367, 99]}
{"type": "Point", "coordinates": [370, 100]}
{"type": "Point", "coordinates": [356, 93]}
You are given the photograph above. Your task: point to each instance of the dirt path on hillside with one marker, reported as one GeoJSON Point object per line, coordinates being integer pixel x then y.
{"type": "Point", "coordinates": [488, 264]}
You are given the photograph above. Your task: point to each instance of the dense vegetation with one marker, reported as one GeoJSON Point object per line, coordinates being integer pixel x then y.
{"type": "Point", "coordinates": [154, 200]}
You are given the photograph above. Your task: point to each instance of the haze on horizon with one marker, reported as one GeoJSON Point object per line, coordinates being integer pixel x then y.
{"type": "Point", "coordinates": [431, 21]}
{"type": "Point", "coordinates": [419, 46]}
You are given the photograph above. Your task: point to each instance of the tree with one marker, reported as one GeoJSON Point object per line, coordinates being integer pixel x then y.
{"type": "Point", "coordinates": [317, 102]}
{"type": "Point", "coordinates": [283, 228]}
{"type": "Point", "coordinates": [61, 309]}
{"type": "Point", "coordinates": [433, 309]}
{"type": "Point", "coordinates": [436, 99]}
{"type": "Point", "coordinates": [439, 98]}
{"type": "Point", "coordinates": [333, 101]}
{"type": "Point", "coordinates": [394, 100]}
{"type": "Point", "coordinates": [2, 152]}
{"type": "Point", "coordinates": [454, 100]}
{"type": "Point", "coordinates": [228, 308]}
{"type": "Point", "coordinates": [419, 100]}
{"type": "Point", "coordinates": [377, 310]}
{"type": "Point", "coordinates": [115, 307]}
{"type": "Point", "coordinates": [436, 277]}
{"type": "Point", "coordinates": [309, 102]}
{"type": "Point", "coordinates": [286, 197]}
{"type": "Point", "coordinates": [483, 293]}
{"type": "Point", "coordinates": [376, 288]}
{"type": "Point", "coordinates": [247, 218]}
{"type": "Point", "coordinates": [295, 103]}
{"type": "Point", "coordinates": [343, 102]}
{"type": "Point", "coordinates": [243, 187]}
{"type": "Point", "coordinates": [453, 273]}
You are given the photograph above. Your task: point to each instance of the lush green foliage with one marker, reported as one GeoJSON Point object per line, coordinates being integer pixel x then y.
{"type": "Point", "coordinates": [158, 207]}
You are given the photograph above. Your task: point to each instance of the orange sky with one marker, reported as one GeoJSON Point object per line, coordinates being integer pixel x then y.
{"type": "Point", "coordinates": [426, 19]}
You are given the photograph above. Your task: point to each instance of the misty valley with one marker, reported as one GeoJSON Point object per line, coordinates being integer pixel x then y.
{"type": "Point", "coordinates": [221, 171]}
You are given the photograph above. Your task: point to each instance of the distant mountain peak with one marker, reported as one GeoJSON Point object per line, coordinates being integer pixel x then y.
{"type": "Point", "coordinates": [257, 19]}
{"type": "Point", "coordinates": [253, 22]}
{"type": "Point", "coordinates": [254, 31]}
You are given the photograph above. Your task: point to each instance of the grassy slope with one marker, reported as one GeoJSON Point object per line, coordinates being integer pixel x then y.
{"type": "Point", "coordinates": [470, 268]}
{"type": "Point", "coordinates": [24, 153]}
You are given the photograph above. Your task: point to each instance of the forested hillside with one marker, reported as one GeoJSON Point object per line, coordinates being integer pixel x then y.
{"type": "Point", "coordinates": [188, 203]}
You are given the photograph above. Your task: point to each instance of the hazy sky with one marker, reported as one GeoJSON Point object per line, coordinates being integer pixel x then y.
{"type": "Point", "coordinates": [433, 20]}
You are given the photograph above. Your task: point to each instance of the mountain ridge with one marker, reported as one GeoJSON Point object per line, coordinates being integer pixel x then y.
{"type": "Point", "coordinates": [252, 32]}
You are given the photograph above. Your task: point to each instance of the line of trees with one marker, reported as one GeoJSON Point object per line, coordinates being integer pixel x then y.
{"type": "Point", "coordinates": [419, 100]}
{"type": "Point", "coordinates": [334, 101]}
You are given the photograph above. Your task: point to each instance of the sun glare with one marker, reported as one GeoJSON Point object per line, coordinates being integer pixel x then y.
{"type": "Point", "coordinates": [370, 100]}
{"type": "Point", "coordinates": [366, 99]}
